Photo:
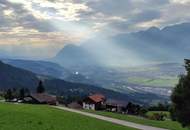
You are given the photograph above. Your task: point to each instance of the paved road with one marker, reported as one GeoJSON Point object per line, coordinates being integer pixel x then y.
{"type": "Point", "coordinates": [113, 120]}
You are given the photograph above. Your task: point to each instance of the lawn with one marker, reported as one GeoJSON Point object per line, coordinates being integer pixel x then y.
{"type": "Point", "coordinates": [168, 124]}
{"type": "Point", "coordinates": [35, 117]}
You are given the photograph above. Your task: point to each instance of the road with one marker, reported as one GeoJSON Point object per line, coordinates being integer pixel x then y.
{"type": "Point", "coordinates": [112, 120]}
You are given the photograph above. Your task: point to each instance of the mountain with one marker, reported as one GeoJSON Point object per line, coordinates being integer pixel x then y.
{"type": "Point", "coordinates": [72, 55]}
{"type": "Point", "coordinates": [12, 77]}
{"type": "Point", "coordinates": [40, 67]}
{"type": "Point", "coordinates": [170, 44]}
{"type": "Point", "coordinates": [139, 62]}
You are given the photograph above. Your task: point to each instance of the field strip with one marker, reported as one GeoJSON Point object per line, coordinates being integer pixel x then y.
{"type": "Point", "coordinates": [112, 120]}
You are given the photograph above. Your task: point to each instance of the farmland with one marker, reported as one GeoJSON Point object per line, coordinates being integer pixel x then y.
{"type": "Point", "coordinates": [154, 82]}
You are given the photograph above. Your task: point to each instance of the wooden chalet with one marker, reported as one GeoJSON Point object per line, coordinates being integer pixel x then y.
{"type": "Point", "coordinates": [94, 102]}
{"type": "Point", "coordinates": [41, 98]}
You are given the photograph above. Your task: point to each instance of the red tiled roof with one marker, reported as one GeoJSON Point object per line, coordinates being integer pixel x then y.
{"type": "Point", "coordinates": [97, 98]}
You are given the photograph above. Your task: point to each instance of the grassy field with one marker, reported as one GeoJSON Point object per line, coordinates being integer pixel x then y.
{"type": "Point", "coordinates": [158, 82]}
{"type": "Point", "coordinates": [31, 117]}
{"type": "Point", "coordinates": [168, 124]}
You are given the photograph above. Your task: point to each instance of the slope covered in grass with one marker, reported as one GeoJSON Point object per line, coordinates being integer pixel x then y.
{"type": "Point", "coordinates": [31, 117]}
{"type": "Point", "coordinates": [168, 124]}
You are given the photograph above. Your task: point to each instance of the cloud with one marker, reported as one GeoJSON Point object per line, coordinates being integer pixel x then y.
{"type": "Point", "coordinates": [44, 23]}
{"type": "Point", "coordinates": [180, 1]}
{"type": "Point", "coordinates": [30, 26]}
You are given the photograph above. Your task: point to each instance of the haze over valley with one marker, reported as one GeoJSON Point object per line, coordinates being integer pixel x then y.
{"type": "Point", "coordinates": [137, 51]}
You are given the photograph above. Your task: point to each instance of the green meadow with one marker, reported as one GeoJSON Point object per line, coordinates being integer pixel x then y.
{"type": "Point", "coordinates": [37, 117]}
{"type": "Point", "coordinates": [167, 124]}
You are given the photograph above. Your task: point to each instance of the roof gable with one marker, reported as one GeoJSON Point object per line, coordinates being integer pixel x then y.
{"type": "Point", "coordinates": [97, 98]}
{"type": "Point", "coordinates": [43, 97]}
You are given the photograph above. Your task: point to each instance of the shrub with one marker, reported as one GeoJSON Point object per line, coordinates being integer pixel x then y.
{"type": "Point", "coordinates": [158, 116]}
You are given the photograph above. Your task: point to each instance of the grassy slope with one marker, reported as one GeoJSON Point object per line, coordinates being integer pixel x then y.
{"type": "Point", "coordinates": [30, 117]}
{"type": "Point", "coordinates": [168, 124]}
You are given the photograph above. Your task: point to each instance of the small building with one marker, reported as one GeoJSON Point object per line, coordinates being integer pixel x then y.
{"type": "Point", "coordinates": [75, 105]}
{"type": "Point", "coordinates": [94, 102]}
{"type": "Point", "coordinates": [41, 98]}
{"type": "Point", "coordinates": [116, 106]}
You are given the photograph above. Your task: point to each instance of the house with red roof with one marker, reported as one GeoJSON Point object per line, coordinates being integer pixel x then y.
{"type": "Point", "coordinates": [94, 102]}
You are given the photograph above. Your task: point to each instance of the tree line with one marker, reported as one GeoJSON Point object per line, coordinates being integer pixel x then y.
{"type": "Point", "coordinates": [21, 93]}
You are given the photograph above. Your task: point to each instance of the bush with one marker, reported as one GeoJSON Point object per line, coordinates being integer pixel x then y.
{"type": "Point", "coordinates": [158, 116]}
{"type": "Point", "coordinates": [143, 112]}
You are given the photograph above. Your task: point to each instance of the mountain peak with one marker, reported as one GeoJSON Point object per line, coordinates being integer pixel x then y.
{"type": "Point", "coordinates": [153, 29]}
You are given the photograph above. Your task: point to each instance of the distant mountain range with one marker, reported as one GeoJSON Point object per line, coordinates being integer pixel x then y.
{"type": "Point", "coordinates": [170, 44]}
{"type": "Point", "coordinates": [144, 61]}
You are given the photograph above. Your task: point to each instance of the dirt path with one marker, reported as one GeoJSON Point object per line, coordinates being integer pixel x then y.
{"type": "Point", "coordinates": [113, 120]}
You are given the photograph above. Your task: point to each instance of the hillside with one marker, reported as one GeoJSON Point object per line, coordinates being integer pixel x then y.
{"type": "Point", "coordinates": [12, 77]}
{"type": "Point", "coordinates": [167, 124]}
{"type": "Point", "coordinates": [40, 67]}
{"type": "Point", "coordinates": [65, 88]}
{"type": "Point", "coordinates": [33, 117]}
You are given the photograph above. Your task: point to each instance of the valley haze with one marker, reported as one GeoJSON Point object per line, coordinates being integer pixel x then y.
{"type": "Point", "coordinates": [94, 64]}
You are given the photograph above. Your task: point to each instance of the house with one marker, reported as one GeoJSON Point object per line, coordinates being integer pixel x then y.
{"type": "Point", "coordinates": [116, 106]}
{"type": "Point", "coordinates": [94, 102]}
{"type": "Point", "coordinates": [41, 98]}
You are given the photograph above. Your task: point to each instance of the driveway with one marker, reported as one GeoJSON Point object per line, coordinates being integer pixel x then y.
{"type": "Point", "coordinates": [112, 120]}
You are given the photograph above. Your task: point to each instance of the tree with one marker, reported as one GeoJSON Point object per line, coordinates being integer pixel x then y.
{"type": "Point", "coordinates": [40, 88]}
{"type": "Point", "coordinates": [15, 93]}
{"type": "Point", "coordinates": [27, 92]}
{"type": "Point", "coordinates": [8, 95]}
{"type": "Point", "coordinates": [22, 93]}
{"type": "Point", "coordinates": [181, 98]}
{"type": "Point", "coordinates": [133, 109]}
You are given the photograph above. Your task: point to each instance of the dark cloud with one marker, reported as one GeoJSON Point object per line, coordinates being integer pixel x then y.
{"type": "Point", "coordinates": [117, 14]}
{"type": "Point", "coordinates": [122, 14]}
{"type": "Point", "coordinates": [22, 17]}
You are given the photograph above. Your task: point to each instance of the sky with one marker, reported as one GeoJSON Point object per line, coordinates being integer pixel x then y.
{"type": "Point", "coordinates": [40, 28]}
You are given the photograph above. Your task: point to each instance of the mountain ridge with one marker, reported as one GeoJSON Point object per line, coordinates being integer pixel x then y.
{"type": "Point", "coordinates": [170, 44]}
